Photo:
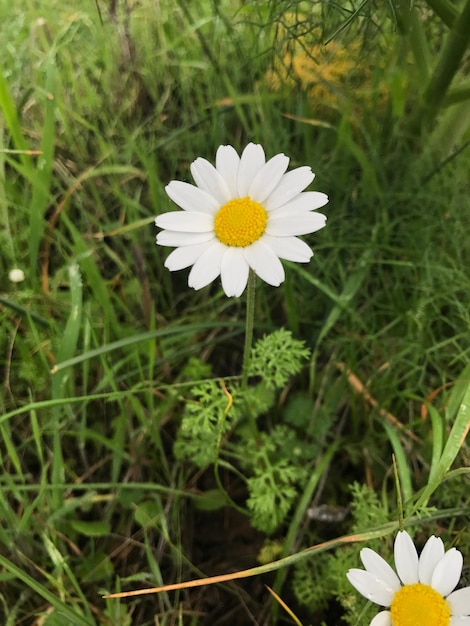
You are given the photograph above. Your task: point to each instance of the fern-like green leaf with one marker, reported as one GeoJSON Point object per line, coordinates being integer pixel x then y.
{"type": "Point", "coordinates": [277, 357]}
{"type": "Point", "coordinates": [205, 419]}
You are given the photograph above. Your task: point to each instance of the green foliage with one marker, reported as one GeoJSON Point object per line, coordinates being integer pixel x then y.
{"type": "Point", "coordinates": [102, 103]}
{"type": "Point", "coordinates": [259, 398]}
{"type": "Point", "coordinates": [277, 357]}
{"type": "Point", "coordinates": [276, 476]}
{"type": "Point", "coordinates": [272, 460]}
{"type": "Point", "coordinates": [366, 508]}
{"type": "Point", "coordinates": [311, 582]}
{"type": "Point", "coordinates": [318, 580]}
{"type": "Point", "coordinates": [206, 419]}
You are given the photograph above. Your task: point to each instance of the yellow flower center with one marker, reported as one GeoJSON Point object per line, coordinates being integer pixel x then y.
{"type": "Point", "coordinates": [419, 605]}
{"type": "Point", "coordinates": [240, 222]}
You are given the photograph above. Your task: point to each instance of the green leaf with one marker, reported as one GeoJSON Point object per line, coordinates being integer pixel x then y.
{"type": "Point", "coordinates": [211, 500]}
{"type": "Point", "coordinates": [147, 513]}
{"type": "Point", "coordinates": [205, 420]}
{"type": "Point", "coordinates": [97, 528]}
{"type": "Point", "coordinates": [277, 357]}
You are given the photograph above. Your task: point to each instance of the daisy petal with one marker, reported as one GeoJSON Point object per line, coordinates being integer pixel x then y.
{"type": "Point", "coordinates": [227, 163]}
{"type": "Point", "coordinates": [251, 161]}
{"type": "Point", "coordinates": [406, 558]}
{"type": "Point", "coordinates": [208, 178]}
{"type": "Point", "coordinates": [384, 618]}
{"type": "Point", "coordinates": [459, 621]}
{"type": "Point", "coordinates": [207, 267]}
{"type": "Point", "coordinates": [370, 587]}
{"type": "Point", "coordinates": [430, 556]}
{"type": "Point", "coordinates": [173, 238]}
{"type": "Point", "coordinates": [234, 272]}
{"type": "Point", "coordinates": [379, 567]}
{"type": "Point", "coordinates": [289, 186]}
{"type": "Point", "coordinates": [289, 248]}
{"type": "Point", "coordinates": [268, 178]}
{"type": "Point", "coordinates": [305, 201]}
{"type": "Point", "coordinates": [186, 222]}
{"type": "Point", "coordinates": [185, 256]}
{"type": "Point", "coordinates": [447, 572]}
{"type": "Point", "coordinates": [265, 263]}
{"type": "Point", "coordinates": [459, 602]}
{"type": "Point", "coordinates": [191, 198]}
{"type": "Point", "coordinates": [298, 225]}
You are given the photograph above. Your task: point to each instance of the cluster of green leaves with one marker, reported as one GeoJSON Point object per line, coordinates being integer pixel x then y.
{"type": "Point", "coordinates": [318, 580]}
{"type": "Point", "coordinates": [214, 424]}
{"type": "Point", "coordinates": [279, 476]}
{"type": "Point", "coordinates": [277, 357]}
{"type": "Point", "coordinates": [206, 419]}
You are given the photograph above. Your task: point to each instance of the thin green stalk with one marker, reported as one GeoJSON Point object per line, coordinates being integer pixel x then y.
{"type": "Point", "coordinates": [250, 317]}
{"type": "Point", "coordinates": [445, 10]}
{"type": "Point", "coordinates": [41, 177]}
{"type": "Point", "coordinates": [396, 473]}
{"type": "Point", "coordinates": [446, 68]}
{"type": "Point", "coordinates": [411, 26]}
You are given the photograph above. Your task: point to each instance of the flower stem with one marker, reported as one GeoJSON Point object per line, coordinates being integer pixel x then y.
{"type": "Point", "coordinates": [250, 318]}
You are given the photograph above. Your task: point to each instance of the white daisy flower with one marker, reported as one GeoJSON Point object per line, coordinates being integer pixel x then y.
{"type": "Point", "coordinates": [422, 593]}
{"type": "Point", "coordinates": [243, 213]}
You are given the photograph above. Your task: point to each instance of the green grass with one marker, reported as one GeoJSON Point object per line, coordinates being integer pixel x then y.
{"type": "Point", "coordinates": [104, 348]}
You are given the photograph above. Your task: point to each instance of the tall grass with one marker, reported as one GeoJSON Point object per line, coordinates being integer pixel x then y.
{"type": "Point", "coordinates": [102, 105]}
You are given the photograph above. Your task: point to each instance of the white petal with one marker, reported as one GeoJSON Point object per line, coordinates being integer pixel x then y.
{"type": "Point", "coordinates": [251, 161]}
{"type": "Point", "coordinates": [305, 201]}
{"type": "Point", "coordinates": [431, 554]}
{"type": "Point", "coordinates": [295, 225]}
{"type": "Point", "coordinates": [227, 163]}
{"type": "Point", "coordinates": [459, 621]}
{"type": "Point", "coordinates": [370, 587]}
{"type": "Point", "coordinates": [268, 178]}
{"type": "Point", "coordinates": [191, 198]}
{"type": "Point", "coordinates": [459, 602]}
{"type": "Point", "coordinates": [447, 572]}
{"type": "Point", "coordinates": [406, 558]}
{"type": "Point", "coordinates": [185, 256]}
{"type": "Point", "coordinates": [234, 272]}
{"type": "Point", "coordinates": [264, 262]}
{"type": "Point", "coordinates": [186, 222]}
{"type": "Point", "coordinates": [384, 618]}
{"type": "Point", "coordinates": [289, 248]}
{"type": "Point", "coordinates": [291, 185]}
{"type": "Point", "coordinates": [173, 239]}
{"type": "Point", "coordinates": [207, 267]}
{"type": "Point", "coordinates": [208, 178]}
{"type": "Point", "coordinates": [379, 567]}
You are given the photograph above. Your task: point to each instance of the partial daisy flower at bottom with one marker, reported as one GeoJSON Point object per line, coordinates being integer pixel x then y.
{"type": "Point", "coordinates": [422, 594]}
{"type": "Point", "coordinates": [243, 213]}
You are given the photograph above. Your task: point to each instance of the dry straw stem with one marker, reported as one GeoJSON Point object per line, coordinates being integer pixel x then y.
{"type": "Point", "coordinates": [374, 533]}
{"type": "Point", "coordinates": [362, 390]}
